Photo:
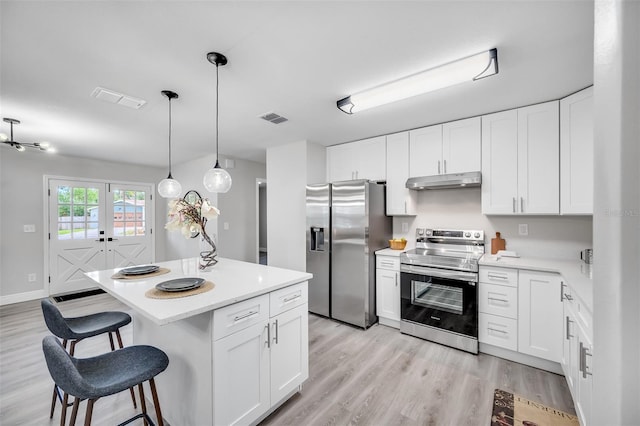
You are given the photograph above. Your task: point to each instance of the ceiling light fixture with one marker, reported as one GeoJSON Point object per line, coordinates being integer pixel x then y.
{"type": "Point", "coordinates": [169, 187]}
{"type": "Point", "coordinates": [471, 68]}
{"type": "Point", "coordinates": [217, 179]}
{"type": "Point", "coordinates": [21, 146]}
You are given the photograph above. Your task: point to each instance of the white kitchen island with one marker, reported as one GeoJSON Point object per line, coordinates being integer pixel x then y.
{"type": "Point", "coordinates": [236, 352]}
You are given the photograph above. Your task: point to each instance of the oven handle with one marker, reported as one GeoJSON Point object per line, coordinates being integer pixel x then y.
{"type": "Point", "coordinates": [439, 273]}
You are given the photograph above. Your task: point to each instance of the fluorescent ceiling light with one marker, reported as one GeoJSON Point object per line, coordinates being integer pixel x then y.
{"type": "Point", "coordinates": [471, 68]}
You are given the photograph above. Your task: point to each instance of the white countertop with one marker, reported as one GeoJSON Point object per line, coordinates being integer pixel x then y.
{"type": "Point", "coordinates": [577, 274]}
{"type": "Point", "coordinates": [234, 281]}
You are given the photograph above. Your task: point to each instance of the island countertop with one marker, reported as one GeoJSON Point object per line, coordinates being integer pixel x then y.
{"type": "Point", "coordinates": [233, 281]}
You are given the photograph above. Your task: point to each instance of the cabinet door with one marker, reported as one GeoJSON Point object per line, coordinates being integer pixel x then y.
{"type": "Point", "coordinates": [500, 162]}
{"type": "Point", "coordinates": [289, 351]}
{"type": "Point", "coordinates": [569, 348]}
{"type": "Point", "coordinates": [370, 156]}
{"type": "Point", "coordinates": [241, 372]}
{"type": "Point", "coordinates": [388, 294]}
{"type": "Point", "coordinates": [576, 153]}
{"type": "Point", "coordinates": [585, 378]}
{"type": "Point", "coordinates": [540, 315]}
{"type": "Point", "coordinates": [340, 163]}
{"type": "Point", "coordinates": [539, 159]}
{"type": "Point", "coordinates": [425, 151]}
{"type": "Point", "coordinates": [400, 200]}
{"type": "Point", "coordinates": [461, 146]}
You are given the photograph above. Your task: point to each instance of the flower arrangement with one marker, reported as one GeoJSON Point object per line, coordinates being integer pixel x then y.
{"type": "Point", "coordinates": [190, 218]}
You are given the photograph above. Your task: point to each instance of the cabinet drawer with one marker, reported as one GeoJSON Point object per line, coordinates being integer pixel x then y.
{"type": "Point", "coordinates": [502, 276]}
{"type": "Point", "coordinates": [498, 300]}
{"type": "Point", "coordinates": [287, 298]}
{"type": "Point", "coordinates": [498, 331]}
{"type": "Point", "coordinates": [388, 262]}
{"type": "Point", "coordinates": [240, 315]}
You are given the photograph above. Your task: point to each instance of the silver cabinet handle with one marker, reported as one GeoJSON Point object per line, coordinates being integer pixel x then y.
{"type": "Point", "coordinates": [584, 352]}
{"type": "Point", "coordinates": [521, 205]}
{"type": "Point", "coordinates": [438, 166]}
{"type": "Point", "coordinates": [445, 166]}
{"type": "Point", "coordinates": [291, 299]}
{"type": "Point", "coordinates": [561, 291]}
{"type": "Point", "coordinates": [499, 300]}
{"type": "Point", "coordinates": [390, 264]}
{"type": "Point", "coordinates": [568, 335]}
{"type": "Point", "coordinates": [497, 277]}
{"type": "Point", "coordinates": [275, 339]}
{"type": "Point", "coordinates": [268, 342]}
{"type": "Point", "coordinates": [568, 297]}
{"type": "Point", "coordinates": [247, 315]}
{"type": "Point", "coordinates": [396, 279]}
{"type": "Point", "coordinates": [496, 330]}
{"type": "Point", "coordinates": [405, 207]}
{"type": "Point", "coordinates": [514, 204]}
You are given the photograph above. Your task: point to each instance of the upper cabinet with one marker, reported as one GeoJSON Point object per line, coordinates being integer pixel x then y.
{"type": "Point", "coordinates": [400, 200]}
{"type": "Point", "coordinates": [520, 161]}
{"type": "Point", "coordinates": [365, 159]}
{"type": "Point", "coordinates": [445, 148]}
{"type": "Point", "coordinates": [576, 153]}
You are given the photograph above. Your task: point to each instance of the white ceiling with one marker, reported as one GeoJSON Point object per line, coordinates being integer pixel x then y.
{"type": "Point", "coordinates": [294, 58]}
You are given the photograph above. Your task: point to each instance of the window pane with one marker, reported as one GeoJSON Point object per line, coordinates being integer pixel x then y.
{"type": "Point", "coordinates": [130, 195]}
{"type": "Point", "coordinates": [79, 213]}
{"type": "Point", "coordinates": [64, 231]}
{"type": "Point", "coordinates": [64, 194]}
{"type": "Point", "coordinates": [79, 195]}
{"type": "Point", "coordinates": [118, 229]}
{"type": "Point", "coordinates": [130, 230]}
{"type": "Point", "coordinates": [140, 196]}
{"type": "Point", "coordinates": [93, 214]}
{"type": "Point", "coordinates": [64, 213]}
{"type": "Point", "coordinates": [78, 231]}
{"type": "Point", "coordinates": [92, 230]}
{"type": "Point", "coordinates": [93, 195]}
{"type": "Point", "coordinates": [140, 229]}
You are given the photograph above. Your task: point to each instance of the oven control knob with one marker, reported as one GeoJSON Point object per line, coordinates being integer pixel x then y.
{"type": "Point", "coordinates": [476, 235]}
{"type": "Point", "coordinates": [467, 234]}
{"type": "Point", "coordinates": [420, 231]}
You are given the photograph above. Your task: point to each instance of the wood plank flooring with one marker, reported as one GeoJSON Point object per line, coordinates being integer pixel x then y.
{"type": "Point", "coordinates": [374, 377]}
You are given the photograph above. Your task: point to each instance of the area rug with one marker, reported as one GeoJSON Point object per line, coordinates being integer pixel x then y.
{"type": "Point", "coordinates": [514, 410]}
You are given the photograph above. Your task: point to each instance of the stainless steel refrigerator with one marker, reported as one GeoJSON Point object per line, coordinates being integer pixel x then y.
{"type": "Point", "coordinates": [346, 224]}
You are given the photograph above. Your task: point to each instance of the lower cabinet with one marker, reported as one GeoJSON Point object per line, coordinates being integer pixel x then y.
{"type": "Point", "coordinates": [388, 290]}
{"type": "Point", "coordinates": [256, 367]}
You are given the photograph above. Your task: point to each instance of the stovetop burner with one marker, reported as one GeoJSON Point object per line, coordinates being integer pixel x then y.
{"type": "Point", "coordinates": [446, 248]}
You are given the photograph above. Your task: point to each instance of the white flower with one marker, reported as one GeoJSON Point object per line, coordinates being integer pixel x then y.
{"type": "Point", "coordinates": [209, 211]}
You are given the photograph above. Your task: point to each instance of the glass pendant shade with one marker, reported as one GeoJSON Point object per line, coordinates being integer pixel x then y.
{"type": "Point", "coordinates": [169, 188]}
{"type": "Point", "coordinates": [217, 180]}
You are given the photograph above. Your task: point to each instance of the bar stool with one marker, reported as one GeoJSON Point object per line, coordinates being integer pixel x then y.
{"type": "Point", "coordinates": [104, 375]}
{"type": "Point", "coordinates": [72, 330]}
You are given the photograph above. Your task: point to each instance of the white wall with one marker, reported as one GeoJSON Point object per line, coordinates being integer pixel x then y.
{"type": "Point", "coordinates": [289, 169]}
{"type": "Point", "coordinates": [549, 236]}
{"type": "Point", "coordinates": [237, 208]}
{"type": "Point", "coordinates": [616, 273]}
{"type": "Point", "coordinates": [22, 186]}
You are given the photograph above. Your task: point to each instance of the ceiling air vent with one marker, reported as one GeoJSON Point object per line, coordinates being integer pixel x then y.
{"type": "Point", "coordinates": [114, 97]}
{"type": "Point", "coordinates": [274, 118]}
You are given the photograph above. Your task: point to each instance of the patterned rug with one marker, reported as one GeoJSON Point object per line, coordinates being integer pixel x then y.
{"type": "Point", "coordinates": [513, 410]}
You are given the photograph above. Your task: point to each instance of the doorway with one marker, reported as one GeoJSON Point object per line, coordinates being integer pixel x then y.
{"type": "Point", "coordinates": [261, 221]}
{"type": "Point", "coordinates": [96, 225]}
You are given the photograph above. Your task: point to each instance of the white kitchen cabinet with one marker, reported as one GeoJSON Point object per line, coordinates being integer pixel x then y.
{"type": "Point", "coordinates": [445, 148]}
{"type": "Point", "coordinates": [388, 290]}
{"type": "Point", "coordinates": [498, 331]}
{"type": "Point", "coordinates": [498, 307]}
{"type": "Point", "coordinates": [576, 153]}
{"type": "Point", "coordinates": [261, 360]}
{"type": "Point", "coordinates": [540, 315]}
{"type": "Point", "coordinates": [569, 359]}
{"type": "Point", "coordinates": [365, 159]}
{"type": "Point", "coordinates": [400, 200]}
{"type": "Point", "coordinates": [520, 161]}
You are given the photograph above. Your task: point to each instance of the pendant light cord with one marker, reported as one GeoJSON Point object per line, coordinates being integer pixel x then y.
{"type": "Point", "coordinates": [170, 177]}
{"type": "Point", "coordinates": [217, 119]}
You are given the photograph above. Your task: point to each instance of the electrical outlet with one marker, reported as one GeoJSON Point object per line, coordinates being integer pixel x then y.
{"type": "Point", "coordinates": [405, 227]}
{"type": "Point", "coordinates": [31, 278]}
{"type": "Point", "coordinates": [29, 228]}
{"type": "Point", "coordinates": [225, 226]}
{"type": "Point", "coordinates": [523, 229]}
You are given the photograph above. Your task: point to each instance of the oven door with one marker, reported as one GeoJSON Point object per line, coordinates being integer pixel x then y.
{"type": "Point", "coordinates": [440, 298]}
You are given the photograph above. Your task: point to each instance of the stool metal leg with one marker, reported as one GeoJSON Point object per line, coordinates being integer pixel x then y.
{"type": "Point", "coordinates": [63, 415]}
{"type": "Point", "coordinates": [156, 403]}
{"type": "Point", "coordinates": [133, 395]}
{"type": "Point", "coordinates": [113, 348]}
{"type": "Point", "coordinates": [87, 417]}
{"type": "Point", "coordinates": [143, 403]}
{"type": "Point", "coordinates": [74, 412]}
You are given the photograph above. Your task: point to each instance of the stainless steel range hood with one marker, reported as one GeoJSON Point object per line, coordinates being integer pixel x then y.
{"type": "Point", "coordinates": [452, 180]}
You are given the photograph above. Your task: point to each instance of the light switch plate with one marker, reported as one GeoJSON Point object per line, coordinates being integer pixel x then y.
{"type": "Point", "coordinates": [226, 226]}
{"type": "Point", "coordinates": [29, 228]}
{"type": "Point", "coordinates": [523, 229]}
{"type": "Point", "coordinates": [31, 278]}
{"type": "Point", "coordinates": [405, 227]}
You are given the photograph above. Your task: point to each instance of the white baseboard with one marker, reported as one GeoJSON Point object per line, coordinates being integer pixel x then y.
{"type": "Point", "coordinates": [22, 297]}
{"type": "Point", "coordinates": [525, 359]}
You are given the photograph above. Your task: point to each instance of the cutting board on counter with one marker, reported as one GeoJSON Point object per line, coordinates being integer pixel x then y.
{"type": "Point", "coordinates": [497, 244]}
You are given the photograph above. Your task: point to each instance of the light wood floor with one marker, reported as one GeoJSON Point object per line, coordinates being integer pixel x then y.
{"type": "Point", "coordinates": [374, 377]}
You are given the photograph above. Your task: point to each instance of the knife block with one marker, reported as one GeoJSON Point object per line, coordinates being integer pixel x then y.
{"type": "Point", "coordinates": [497, 243]}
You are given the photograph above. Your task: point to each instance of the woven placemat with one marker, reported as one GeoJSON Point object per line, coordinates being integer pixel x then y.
{"type": "Point", "coordinates": [154, 293]}
{"type": "Point", "coordinates": [119, 276]}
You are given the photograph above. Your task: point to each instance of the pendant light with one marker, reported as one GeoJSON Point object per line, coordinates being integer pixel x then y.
{"type": "Point", "coordinates": [169, 187]}
{"type": "Point", "coordinates": [217, 179]}
{"type": "Point", "coordinates": [22, 146]}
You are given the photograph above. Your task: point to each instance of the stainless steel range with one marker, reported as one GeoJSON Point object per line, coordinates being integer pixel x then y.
{"type": "Point", "coordinates": [439, 287]}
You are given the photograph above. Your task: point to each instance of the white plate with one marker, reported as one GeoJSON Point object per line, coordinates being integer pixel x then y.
{"type": "Point", "coordinates": [139, 270]}
{"type": "Point", "coordinates": [180, 284]}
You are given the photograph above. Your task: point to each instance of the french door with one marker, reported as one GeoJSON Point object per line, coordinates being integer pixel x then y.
{"type": "Point", "coordinates": [94, 226]}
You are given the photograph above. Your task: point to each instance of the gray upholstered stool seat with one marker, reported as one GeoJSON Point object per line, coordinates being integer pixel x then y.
{"type": "Point", "coordinates": [72, 330]}
{"type": "Point", "coordinates": [103, 375]}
